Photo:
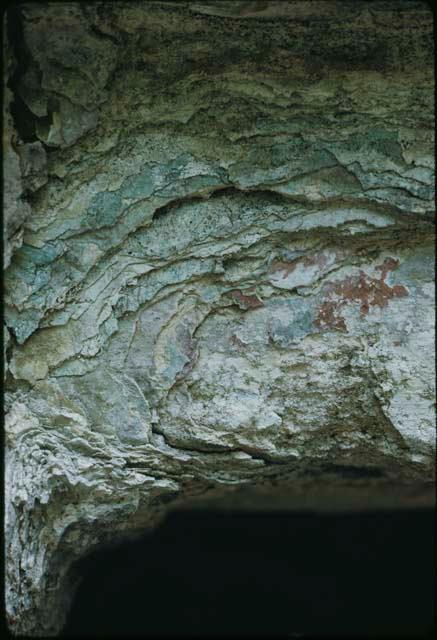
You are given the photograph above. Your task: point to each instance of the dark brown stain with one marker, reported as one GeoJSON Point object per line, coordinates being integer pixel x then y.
{"type": "Point", "coordinates": [192, 354]}
{"type": "Point", "coordinates": [236, 341]}
{"type": "Point", "coordinates": [318, 259]}
{"type": "Point", "coordinates": [285, 267]}
{"type": "Point", "coordinates": [246, 302]}
{"type": "Point", "coordinates": [249, 8]}
{"type": "Point", "coordinates": [362, 289]}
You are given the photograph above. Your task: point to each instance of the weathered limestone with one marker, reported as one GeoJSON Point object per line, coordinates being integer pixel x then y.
{"type": "Point", "coordinates": [220, 267]}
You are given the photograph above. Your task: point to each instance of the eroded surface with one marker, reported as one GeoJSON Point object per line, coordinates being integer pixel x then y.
{"type": "Point", "coordinates": [225, 272]}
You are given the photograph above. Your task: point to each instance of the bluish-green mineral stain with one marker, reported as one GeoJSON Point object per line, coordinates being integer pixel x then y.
{"type": "Point", "coordinates": [417, 267]}
{"type": "Point", "coordinates": [300, 324]}
{"type": "Point", "coordinates": [104, 209]}
{"type": "Point", "coordinates": [138, 186]}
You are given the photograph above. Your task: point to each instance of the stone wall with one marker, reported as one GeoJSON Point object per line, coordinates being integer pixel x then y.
{"type": "Point", "coordinates": [219, 260]}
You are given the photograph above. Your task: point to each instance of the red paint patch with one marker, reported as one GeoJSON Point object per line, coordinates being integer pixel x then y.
{"type": "Point", "coordinates": [389, 264]}
{"type": "Point", "coordinates": [327, 317]}
{"type": "Point", "coordinates": [363, 290]}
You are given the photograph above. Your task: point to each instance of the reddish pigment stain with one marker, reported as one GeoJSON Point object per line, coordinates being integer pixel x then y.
{"type": "Point", "coordinates": [316, 259]}
{"type": "Point", "coordinates": [327, 317]}
{"type": "Point", "coordinates": [363, 290]}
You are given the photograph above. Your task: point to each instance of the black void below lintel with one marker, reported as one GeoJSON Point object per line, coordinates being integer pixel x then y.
{"type": "Point", "coordinates": [234, 573]}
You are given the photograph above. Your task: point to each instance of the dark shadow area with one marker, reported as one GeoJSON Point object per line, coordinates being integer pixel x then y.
{"type": "Point", "coordinates": [230, 573]}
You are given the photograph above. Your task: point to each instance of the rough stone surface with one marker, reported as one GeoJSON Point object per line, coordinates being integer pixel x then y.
{"type": "Point", "coordinates": [220, 252]}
